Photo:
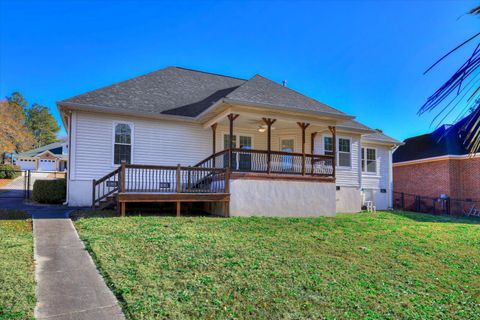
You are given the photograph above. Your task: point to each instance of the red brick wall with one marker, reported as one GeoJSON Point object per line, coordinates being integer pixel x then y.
{"type": "Point", "coordinates": [458, 179]}
{"type": "Point", "coordinates": [470, 179]}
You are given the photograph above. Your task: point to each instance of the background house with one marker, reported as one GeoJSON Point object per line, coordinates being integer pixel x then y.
{"type": "Point", "coordinates": [51, 157]}
{"type": "Point", "coordinates": [438, 164]}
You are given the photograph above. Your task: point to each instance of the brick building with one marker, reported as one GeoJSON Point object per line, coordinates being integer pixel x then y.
{"type": "Point", "coordinates": [437, 164]}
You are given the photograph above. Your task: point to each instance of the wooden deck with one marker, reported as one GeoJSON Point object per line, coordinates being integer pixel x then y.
{"type": "Point", "coordinates": [178, 198]}
{"type": "Point", "coordinates": [209, 180]}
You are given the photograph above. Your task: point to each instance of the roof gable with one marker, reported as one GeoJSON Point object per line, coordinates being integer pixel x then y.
{"type": "Point", "coordinates": [55, 148]}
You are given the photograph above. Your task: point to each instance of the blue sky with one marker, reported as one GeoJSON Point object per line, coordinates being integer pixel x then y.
{"type": "Point", "coordinates": [364, 58]}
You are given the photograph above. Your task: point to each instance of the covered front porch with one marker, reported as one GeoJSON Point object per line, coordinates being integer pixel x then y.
{"type": "Point", "coordinates": [277, 145]}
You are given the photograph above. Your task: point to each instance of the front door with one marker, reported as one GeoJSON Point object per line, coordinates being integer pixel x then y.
{"type": "Point", "coordinates": [287, 145]}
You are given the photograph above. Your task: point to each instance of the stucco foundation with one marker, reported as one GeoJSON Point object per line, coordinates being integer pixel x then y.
{"type": "Point", "coordinates": [349, 200]}
{"type": "Point", "coordinates": [277, 198]}
{"type": "Point", "coordinates": [79, 193]}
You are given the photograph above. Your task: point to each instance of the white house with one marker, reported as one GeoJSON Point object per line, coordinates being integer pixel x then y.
{"type": "Point", "coordinates": [51, 157]}
{"type": "Point", "coordinates": [281, 161]}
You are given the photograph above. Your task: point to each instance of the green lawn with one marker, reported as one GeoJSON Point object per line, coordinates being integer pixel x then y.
{"type": "Point", "coordinates": [370, 266]}
{"type": "Point", "coordinates": [17, 280]}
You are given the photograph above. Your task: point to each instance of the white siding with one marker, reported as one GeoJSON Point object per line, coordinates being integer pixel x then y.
{"type": "Point", "coordinates": [154, 142]}
{"type": "Point", "coordinates": [379, 180]}
{"type": "Point", "coordinates": [346, 176]}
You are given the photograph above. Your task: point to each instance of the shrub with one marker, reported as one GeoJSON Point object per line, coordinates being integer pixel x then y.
{"type": "Point", "coordinates": [49, 191]}
{"type": "Point", "coordinates": [8, 171]}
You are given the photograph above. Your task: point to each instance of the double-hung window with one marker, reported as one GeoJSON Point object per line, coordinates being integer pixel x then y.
{"type": "Point", "coordinates": [122, 148]}
{"type": "Point", "coordinates": [344, 153]}
{"type": "Point", "coordinates": [343, 150]}
{"type": "Point", "coordinates": [328, 146]}
{"type": "Point", "coordinates": [369, 160]}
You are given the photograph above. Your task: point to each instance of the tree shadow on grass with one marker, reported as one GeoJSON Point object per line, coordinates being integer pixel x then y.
{"type": "Point", "coordinates": [87, 214]}
{"type": "Point", "coordinates": [436, 218]}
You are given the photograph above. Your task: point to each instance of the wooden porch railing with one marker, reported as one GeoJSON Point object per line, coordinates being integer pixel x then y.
{"type": "Point", "coordinates": [105, 187]}
{"type": "Point", "coordinates": [159, 179]}
{"type": "Point", "coordinates": [170, 179]}
{"type": "Point", "coordinates": [261, 161]}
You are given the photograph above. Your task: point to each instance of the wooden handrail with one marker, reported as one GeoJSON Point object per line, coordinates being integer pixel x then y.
{"type": "Point", "coordinates": [213, 156]}
{"type": "Point", "coordinates": [148, 166]}
{"type": "Point", "coordinates": [111, 174]}
{"type": "Point", "coordinates": [283, 153]}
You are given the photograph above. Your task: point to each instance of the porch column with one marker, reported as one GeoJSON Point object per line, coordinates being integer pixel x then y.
{"type": "Point", "coordinates": [303, 126]}
{"type": "Point", "coordinates": [231, 117]}
{"type": "Point", "coordinates": [214, 141]}
{"type": "Point", "coordinates": [333, 130]}
{"type": "Point", "coordinates": [269, 122]}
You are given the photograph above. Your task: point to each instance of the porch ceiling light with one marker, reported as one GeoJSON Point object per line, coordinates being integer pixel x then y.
{"type": "Point", "coordinates": [262, 128]}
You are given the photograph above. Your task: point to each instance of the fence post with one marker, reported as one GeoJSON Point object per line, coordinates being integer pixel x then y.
{"type": "Point", "coordinates": [28, 185]}
{"type": "Point", "coordinates": [447, 205]}
{"type": "Point", "coordinates": [402, 200]}
{"type": "Point", "coordinates": [178, 177]}
{"type": "Point", "coordinates": [93, 193]}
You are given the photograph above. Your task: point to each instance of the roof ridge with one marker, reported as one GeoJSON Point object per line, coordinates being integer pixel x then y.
{"type": "Point", "coordinates": [116, 83]}
{"type": "Point", "coordinates": [297, 92]}
{"type": "Point", "coordinates": [212, 73]}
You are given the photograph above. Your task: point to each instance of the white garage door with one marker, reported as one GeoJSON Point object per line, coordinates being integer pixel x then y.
{"type": "Point", "coordinates": [26, 164]}
{"type": "Point", "coordinates": [46, 165]}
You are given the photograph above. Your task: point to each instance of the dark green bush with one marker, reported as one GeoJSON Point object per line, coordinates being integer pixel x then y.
{"type": "Point", "coordinates": [8, 171]}
{"type": "Point", "coordinates": [49, 191]}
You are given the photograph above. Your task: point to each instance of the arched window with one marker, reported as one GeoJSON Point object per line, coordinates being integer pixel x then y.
{"type": "Point", "coordinates": [123, 143]}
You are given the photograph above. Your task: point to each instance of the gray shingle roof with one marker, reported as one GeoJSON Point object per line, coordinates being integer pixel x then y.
{"type": "Point", "coordinates": [374, 136]}
{"type": "Point", "coordinates": [352, 124]}
{"type": "Point", "coordinates": [267, 92]}
{"type": "Point", "coordinates": [381, 137]}
{"type": "Point", "coordinates": [171, 90]}
{"type": "Point", "coordinates": [185, 92]}
{"type": "Point", "coordinates": [55, 148]}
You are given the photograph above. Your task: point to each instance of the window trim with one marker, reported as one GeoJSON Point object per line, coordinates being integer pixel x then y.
{"type": "Point", "coordinates": [364, 161]}
{"type": "Point", "coordinates": [337, 155]}
{"type": "Point", "coordinates": [323, 142]}
{"type": "Point", "coordinates": [338, 151]}
{"type": "Point", "coordinates": [287, 137]}
{"type": "Point", "coordinates": [237, 140]}
{"type": "Point", "coordinates": [132, 141]}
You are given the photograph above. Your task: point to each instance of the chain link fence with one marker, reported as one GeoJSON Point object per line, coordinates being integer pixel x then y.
{"type": "Point", "coordinates": [439, 205]}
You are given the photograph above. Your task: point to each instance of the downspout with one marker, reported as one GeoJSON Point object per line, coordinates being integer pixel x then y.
{"type": "Point", "coordinates": [69, 133]}
{"type": "Point", "coordinates": [390, 175]}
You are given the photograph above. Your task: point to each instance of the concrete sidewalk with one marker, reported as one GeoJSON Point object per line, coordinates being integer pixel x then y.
{"type": "Point", "coordinates": [68, 283]}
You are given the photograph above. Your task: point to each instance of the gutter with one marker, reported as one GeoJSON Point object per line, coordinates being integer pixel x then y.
{"type": "Point", "coordinates": [100, 109]}
{"type": "Point", "coordinates": [275, 107]}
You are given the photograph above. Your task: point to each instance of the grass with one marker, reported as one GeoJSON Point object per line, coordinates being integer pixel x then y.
{"type": "Point", "coordinates": [371, 266]}
{"type": "Point", "coordinates": [17, 282]}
